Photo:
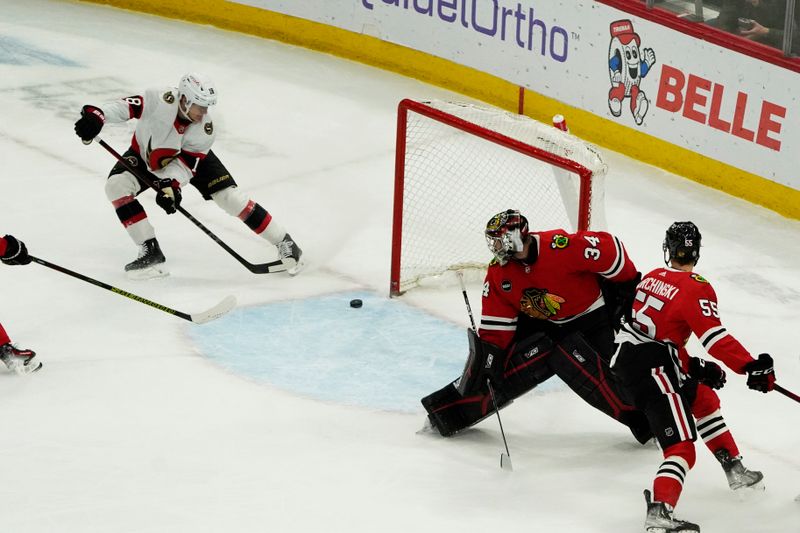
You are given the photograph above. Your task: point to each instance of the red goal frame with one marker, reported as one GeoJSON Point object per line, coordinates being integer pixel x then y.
{"type": "Point", "coordinates": [407, 106]}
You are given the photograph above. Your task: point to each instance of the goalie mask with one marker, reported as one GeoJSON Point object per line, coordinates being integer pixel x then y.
{"type": "Point", "coordinates": [682, 243]}
{"type": "Point", "coordinates": [505, 234]}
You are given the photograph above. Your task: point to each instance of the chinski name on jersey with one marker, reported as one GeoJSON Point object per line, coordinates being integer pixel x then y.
{"type": "Point", "coordinates": [658, 287]}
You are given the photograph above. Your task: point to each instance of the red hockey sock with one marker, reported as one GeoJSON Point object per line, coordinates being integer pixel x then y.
{"type": "Point", "coordinates": [668, 484]}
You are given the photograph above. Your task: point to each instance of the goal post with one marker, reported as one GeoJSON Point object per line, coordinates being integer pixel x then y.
{"type": "Point", "coordinates": [457, 164]}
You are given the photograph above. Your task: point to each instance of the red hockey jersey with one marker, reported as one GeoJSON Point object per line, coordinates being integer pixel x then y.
{"type": "Point", "coordinates": [672, 304]}
{"type": "Point", "coordinates": [560, 286]}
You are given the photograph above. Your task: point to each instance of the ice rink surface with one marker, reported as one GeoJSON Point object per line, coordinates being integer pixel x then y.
{"type": "Point", "coordinates": [133, 426]}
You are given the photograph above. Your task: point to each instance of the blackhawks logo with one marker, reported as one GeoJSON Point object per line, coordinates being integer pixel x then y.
{"type": "Point", "coordinates": [538, 303]}
{"type": "Point", "coordinates": [559, 242]}
{"type": "Point", "coordinates": [699, 279]}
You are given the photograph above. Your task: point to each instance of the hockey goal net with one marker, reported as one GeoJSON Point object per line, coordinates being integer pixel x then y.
{"type": "Point", "coordinates": [459, 164]}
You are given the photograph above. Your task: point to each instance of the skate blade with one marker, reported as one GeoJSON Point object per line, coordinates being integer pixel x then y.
{"type": "Point", "coordinates": [294, 267]}
{"type": "Point", "coordinates": [152, 272]}
{"type": "Point", "coordinates": [751, 492]}
{"type": "Point", "coordinates": [24, 370]}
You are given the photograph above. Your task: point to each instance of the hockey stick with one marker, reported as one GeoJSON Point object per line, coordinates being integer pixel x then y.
{"type": "Point", "coordinates": [505, 458]}
{"type": "Point", "coordinates": [198, 318]}
{"type": "Point", "coordinates": [788, 394]}
{"type": "Point", "coordinates": [262, 268]}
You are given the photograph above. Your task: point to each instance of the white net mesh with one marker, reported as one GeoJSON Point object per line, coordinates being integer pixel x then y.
{"type": "Point", "coordinates": [454, 181]}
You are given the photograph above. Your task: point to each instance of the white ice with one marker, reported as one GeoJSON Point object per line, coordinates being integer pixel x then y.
{"type": "Point", "coordinates": [129, 429]}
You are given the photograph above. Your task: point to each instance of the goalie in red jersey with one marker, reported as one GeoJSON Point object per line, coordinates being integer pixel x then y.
{"type": "Point", "coordinates": [549, 304]}
{"type": "Point", "coordinates": [673, 388]}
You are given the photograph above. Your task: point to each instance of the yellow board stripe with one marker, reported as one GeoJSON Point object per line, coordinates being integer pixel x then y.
{"type": "Point", "coordinates": [475, 84]}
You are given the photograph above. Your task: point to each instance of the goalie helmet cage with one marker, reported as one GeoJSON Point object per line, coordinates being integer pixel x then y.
{"type": "Point", "coordinates": [458, 164]}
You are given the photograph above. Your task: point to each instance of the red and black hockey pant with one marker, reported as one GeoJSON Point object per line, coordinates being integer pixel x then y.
{"type": "Point", "coordinates": [211, 177]}
{"type": "Point", "coordinates": [650, 373]}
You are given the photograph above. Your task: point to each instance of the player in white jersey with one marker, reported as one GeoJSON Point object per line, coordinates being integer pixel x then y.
{"type": "Point", "coordinates": [172, 142]}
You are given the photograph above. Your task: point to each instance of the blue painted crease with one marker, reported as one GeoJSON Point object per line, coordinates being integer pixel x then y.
{"type": "Point", "coordinates": [385, 355]}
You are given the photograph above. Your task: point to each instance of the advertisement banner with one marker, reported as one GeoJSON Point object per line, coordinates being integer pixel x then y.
{"type": "Point", "coordinates": [696, 95]}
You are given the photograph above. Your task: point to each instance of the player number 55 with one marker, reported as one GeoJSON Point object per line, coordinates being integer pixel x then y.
{"type": "Point", "coordinates": [708, 308]}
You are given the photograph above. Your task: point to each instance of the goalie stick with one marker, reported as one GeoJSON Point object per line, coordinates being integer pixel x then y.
{"type": "Point", "coordinates": [505, 458]}
{"type": "Point", "coordinates": [262, 268]}
{"type": "Point", "coordinates": [198, 318]}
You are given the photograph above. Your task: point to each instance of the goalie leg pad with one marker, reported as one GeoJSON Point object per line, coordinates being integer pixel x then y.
{"type": "Point", "coordinates": [590, 377]}
{"type": "Point", "coordinates": [526, 367]}
{"type": "Point", "coordinates": [449, 412]}
{"type": "Point", "coordinates": [484, 362]}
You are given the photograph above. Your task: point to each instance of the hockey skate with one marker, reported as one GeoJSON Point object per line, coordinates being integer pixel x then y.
{"type": "Point", "coordinates": [738, 476]}
{"type": "Point", "coordinates": [291, 255]}
{"type": "Point", "coordinates": [19, 361]}
{"type": "Point", "coordinates": [150, 263]}
{"type": "Point", "coordinates": [660, 520]}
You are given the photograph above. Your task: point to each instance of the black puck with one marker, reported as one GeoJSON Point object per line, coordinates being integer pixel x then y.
{"type": "Point", "coordinates": [356, 303]}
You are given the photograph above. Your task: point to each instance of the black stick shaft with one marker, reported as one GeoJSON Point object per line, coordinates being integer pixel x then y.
{"type": "Point", "coordinates": [466, 299]}
{"type": "Point", "coordinates": [497, 412]}
{"type": "Point", "coordinates": [263, 268]}
{"type": "Point", "coordinates": [787, 393]}
{"type": "Point", "coordinates": [488, 381]}
{"type": "Point", "coordinates": [113, 289]}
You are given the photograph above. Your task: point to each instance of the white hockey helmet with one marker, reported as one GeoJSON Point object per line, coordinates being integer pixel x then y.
{"type": "Point", "coordinates": [198, 89]}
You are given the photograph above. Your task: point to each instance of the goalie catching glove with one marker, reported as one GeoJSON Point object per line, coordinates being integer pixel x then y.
{"type": "Point", "coordinates": [485, 361]}
{"type": "Point", "coordinates": [168, 196]}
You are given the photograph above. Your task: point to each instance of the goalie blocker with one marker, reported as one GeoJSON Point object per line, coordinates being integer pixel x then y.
{"type": "Point", "coordinates": [534, 360]}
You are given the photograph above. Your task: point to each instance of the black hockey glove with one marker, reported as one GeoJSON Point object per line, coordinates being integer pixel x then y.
{"type": "Point", "coordinates": [485, 361]}
{"type": "Point", "coordinates": [761, 373]}
{"type": "Point", "coordinates": [16, 253]}
{"type": "Point", "coordinates": [91, 122]}
{"type": "Point", "coordinates": [168, 196]}
{"type": "Point", "coordinates": [707, 372]}
{"type": "Point", "coordinates": [619, 299]}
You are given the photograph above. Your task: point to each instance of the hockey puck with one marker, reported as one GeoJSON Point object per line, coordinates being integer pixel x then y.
{"type": "Point", "coordinates": [356, 303]}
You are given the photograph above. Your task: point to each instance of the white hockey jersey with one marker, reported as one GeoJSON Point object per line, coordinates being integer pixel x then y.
{"type": "Point", "coordinates": [171, 147]}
